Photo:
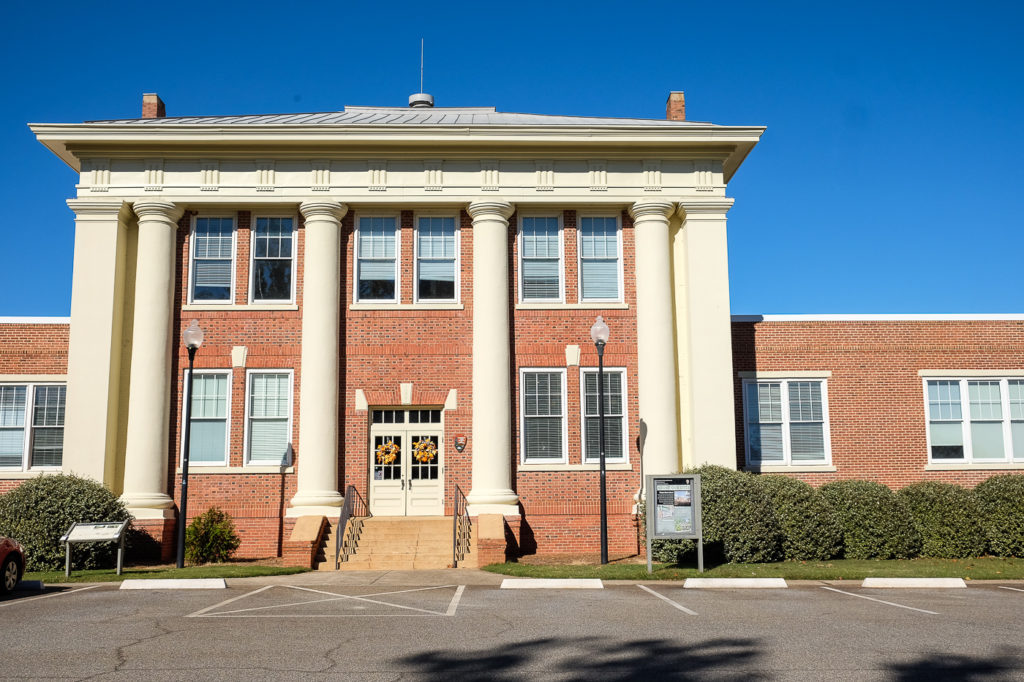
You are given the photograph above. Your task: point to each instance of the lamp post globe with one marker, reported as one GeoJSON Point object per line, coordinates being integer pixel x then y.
{"type": "Point", "coordinates": [192, 337]}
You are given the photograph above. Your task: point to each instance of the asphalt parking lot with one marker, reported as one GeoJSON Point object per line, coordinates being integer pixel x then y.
{"type": "Point", "coordinates": [473, 629]}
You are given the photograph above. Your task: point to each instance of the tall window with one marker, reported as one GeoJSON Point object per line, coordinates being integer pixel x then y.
{"type": "Point", "coordinates": [614, 416]}
{"type": "Point", "coordinates": [377, 249]}
{"type": "Point", "coordinates": [209, 432]}
{"type": "Point", "coordinates": [540, 261]}
{"type": "Point", "coordinates": [786, 422]}
{"type": "Point", "coordinates": [269, 416]}
{"type": "Point", "coordinates": [975, 420]}
{"type": "Point", "coordinates": [213, 248]}
{"type": "Point", "coordinates": [32, 425]}
{"type": "Point", "coordinates": [543, 416]}
{"type": "Point", "coordinates": [272, 250]}
{"type": "Point", "coordinates": [599, 259]}
{"type": "Point", "coordinates": [436, 258]}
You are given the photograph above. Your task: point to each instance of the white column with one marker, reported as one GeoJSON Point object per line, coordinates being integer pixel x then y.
{"type": "Point", "coordinates": [146, 447]}
{"type": "Point", "coordinates": [491, 446]}
{"type": "Point", "coordinates": [709, 334]}
{"type": "Point", "coordinates": [94, 348]}
{"type": "Point", "coordinates": [317, 462]}
{"type": "Point", "coordinates": [656, 386]}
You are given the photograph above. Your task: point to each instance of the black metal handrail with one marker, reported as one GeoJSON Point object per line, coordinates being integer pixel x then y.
{"type": "Point", "coordinates": [354, 505]}
{"type": "Point", "coordinates": [460, 527]}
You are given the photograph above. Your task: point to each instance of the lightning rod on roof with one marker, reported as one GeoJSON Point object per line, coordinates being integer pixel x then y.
{"type": "Point", "coordinates": [421, 99]}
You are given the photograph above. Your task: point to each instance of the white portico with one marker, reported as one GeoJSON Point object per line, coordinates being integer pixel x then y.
{"type": "Point", "coordinates": [137, 180]}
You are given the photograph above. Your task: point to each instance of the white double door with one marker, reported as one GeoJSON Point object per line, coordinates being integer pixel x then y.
{"type": "Point", "coordinates": [402, 484]}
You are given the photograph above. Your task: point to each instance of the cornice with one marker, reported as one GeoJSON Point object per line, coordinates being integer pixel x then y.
{"type": "Point", "coordinates": [699, 208]}
{"type": "Point", "coordinates": [102, 209]}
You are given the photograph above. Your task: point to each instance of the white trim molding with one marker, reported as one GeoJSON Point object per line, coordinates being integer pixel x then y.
{"type": "Point", "coordinates": [957, 373]}
{"type": "Point", "coordinates": [797, 374]}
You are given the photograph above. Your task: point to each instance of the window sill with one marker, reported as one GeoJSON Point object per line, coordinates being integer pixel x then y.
{"type": "Point", "coordinates": [789, 468]}
{"type": "Point", "coordinates": [406, 306]}
{"type": "Point", "coordinates": [17, 475]}
{"type": "Point", "coordinates": [572, 306]}
{"type": "Point", "coordinates": [194, 469]}
{"type": "Point", "coordinates": [610, 466]}
{"type": "Point", "coordinates": [221, 307]}
{"type": "Point", "coordinates": [976, 466]}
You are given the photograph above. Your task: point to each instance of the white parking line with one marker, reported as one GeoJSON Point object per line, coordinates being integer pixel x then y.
{"type": "Point", "coordinates": [332, 596]}
{"type": "Point", "coordinates": [664, 598]}
{"type": "Point", "coordinates": [455, 601]}
{"type": "Point", "coordinates": [227, 601]}
{"type": "Point", "coordinates": [1004, 587]}
{"type": "Point", "coordinates": [47, 596]}
{"type": "Point", "coordinates": [880, 601]}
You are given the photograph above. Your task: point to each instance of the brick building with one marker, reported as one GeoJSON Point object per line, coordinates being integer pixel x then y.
{"type": "Point", "coordinates": [400, 299]}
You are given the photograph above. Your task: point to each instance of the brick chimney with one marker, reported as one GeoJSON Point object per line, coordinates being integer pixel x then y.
{"type": "Point", "coordinates": [152, 106]}
{"type": "Point", "coordinates": [675, 108]}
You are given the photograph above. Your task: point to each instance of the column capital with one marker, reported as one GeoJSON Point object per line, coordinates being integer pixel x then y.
{"type": "Point", "coordinates": [158, 209]}
{"type": "Point", "coordinates": [319, 208]}
{"type": "Point", "coordinates": [705, 208]}
{"type": "Point", "coordinates": [483, 207]}
{"type": "Point", "coordinates": [91, 209]}
{"type": "Point", "coordinates": [651, 209]}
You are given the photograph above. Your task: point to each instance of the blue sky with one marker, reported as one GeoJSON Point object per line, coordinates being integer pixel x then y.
{"type": "Point", "coordinates": [889, 180]}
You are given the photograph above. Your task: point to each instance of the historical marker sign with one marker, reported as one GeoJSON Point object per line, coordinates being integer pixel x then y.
{"type": "Point", "coordinates": [109, 531]}
{"type": "Point", "coordinates": [673, 512]}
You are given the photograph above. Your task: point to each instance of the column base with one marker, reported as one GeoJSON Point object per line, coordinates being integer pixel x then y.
{"type": "Point", "coordinates": [148, 505]}
{"type": "Point", "coordinates": [502, 496]}
{"type": "Point", "coordinates": [295, 512]}
{"type": "Point", "coordinates": [503, 509]}
{"type": "Point", "coordinates": [317, 498]}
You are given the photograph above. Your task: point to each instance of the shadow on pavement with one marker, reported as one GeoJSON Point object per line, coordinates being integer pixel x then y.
{"type": "Point", "coordinates": [591, 658]}
{"type": "Point", "coordinates": [1005, 665]}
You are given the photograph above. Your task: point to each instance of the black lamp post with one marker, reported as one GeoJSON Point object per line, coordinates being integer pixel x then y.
{"type": "Point", "coordinates": [600, 333]}
{"type": "Point", "coordinates": [193, 338]}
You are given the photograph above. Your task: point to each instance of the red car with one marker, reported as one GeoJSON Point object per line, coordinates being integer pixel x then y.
{"type": "Point", "coordinates": [12, 564]}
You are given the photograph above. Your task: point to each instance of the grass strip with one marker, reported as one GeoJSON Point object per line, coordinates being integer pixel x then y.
{"type": "Point", "coordinates": [208, 571]}
{"type": "Point", "coordinates": [983, 568]}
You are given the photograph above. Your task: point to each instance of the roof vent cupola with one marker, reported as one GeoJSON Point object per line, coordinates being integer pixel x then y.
{"type": "Point", "coordinates": [421, 100]}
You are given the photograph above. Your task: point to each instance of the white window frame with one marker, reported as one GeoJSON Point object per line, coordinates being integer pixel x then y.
{"type": "Point", "coordinates": [558, 215]}
{"type": "Point", "coordinates": [29, 428]}
{"type": "Point", "coordinates": [291, 415]}
{"type": "Point", "coordinates": [227, 420]}
{"type": "Point", "coordinates": [787, 458]}
{"type": "Point", "coordinates": [625, 416]}
{"type": "Point", "coordinates": [965, 421]}
{"type": "Point", "coordinates": [579, 257]}
{"type": "Point", "coordinates": [252, 258]}
{"type": "Point", "coordinates": [192, 258]}
{"type": "Point", "coordinates": [398, 259]}
{"type": "Point", "coordinates": [523, 371]}
{"type": "Point", "coordinates": [416, 256]}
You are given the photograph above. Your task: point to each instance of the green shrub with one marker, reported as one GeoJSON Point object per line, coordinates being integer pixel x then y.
{"type": "Point", "coordinates": [40, 510]}
{"type": "Point", "coordinates": [948, 518]}
{"type": "Point", "coordinates": [810, 529]}
{"type": "Point", "coordinates": [738, 519]}
{"type": "Point", "coordinates": [1001, 499]}
{"type": "Point", "coordinates": [211, 538]}
{"type": "Point", "coordinates": [876, 524]}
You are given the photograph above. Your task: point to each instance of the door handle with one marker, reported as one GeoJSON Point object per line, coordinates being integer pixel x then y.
{"type": "Point", "coordinates": [403, 484]}
{"type": "Point", "coordinates": [410, 484]}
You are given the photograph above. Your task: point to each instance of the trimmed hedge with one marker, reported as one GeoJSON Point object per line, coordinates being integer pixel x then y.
{"type": "Point", "coordinates": [810, 528]}
{"type": "Point", "coordinates": [947, 517]}
{"type": "Point", "coordinates": [211, 538]}
{"type": "Point", "coordinates": [876, 523]}
{"type": "Point", "coordinates": [1001, 499]}
{"type": "Point", "coordinates": [737, 516]}
{"type": "Point", "coordinates": [40, 510]}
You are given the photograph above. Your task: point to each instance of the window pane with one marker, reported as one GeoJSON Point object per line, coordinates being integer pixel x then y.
{"type": "Point", "coordinates": [541, 279]}
{"type": "Point", "coordinates": [1017, 432]}
{"type": "Point", "coordinates": [12, 442]}
{"type": "Point", "coordinates": [269, 395]}
{"type": "Point", "coordinates": [47, 447]}
{"type": "Point", "coordinates": [48, 409]}
{"type": "Point", "coordinates": [807, 442]}
{"type": "Point", "coordinates": [944, 400]}
{"type": "Point", "coordinates": [268, 441]}
{"type": "Point", "coordinates": [987, 440]}
{"type": "Point", "coordinates": [540, 258]}
{"type": "Point", "coordinates": [207, 440]}
{"type": "Point", "coordinates": [599, 238]}
{"type": "Point", "coordinates": [613, 422]}
{"type": "Point", "coordinates": [542, 428]}
{"type": "Point", "coordinates": [543, 438]}
{"type": "Point", "coordinates": [805, 401]}
{"type": "Point", "coordinates": [769, 402]}
{"type": "Point", "coordinates": [600, 279]}
{"type": "Point", "coordinates": [437, 280]}
{"type": "Point", "coordinates": [436, 237]}
{"type": "Point", "coordinates": [1016, 390]}
{"type": "Point", "coordinates": [272, 280]}
{"type": "Point", "coordinates": [766, 442]}
{"type": "Point", "coordinates": [947, 440]}
{"type": "Point", "coordinates": [540, 238]}
{"type": "Point", "coordinates": [984, 399]}
{"type": "Point", "coordinates": [12, 406]}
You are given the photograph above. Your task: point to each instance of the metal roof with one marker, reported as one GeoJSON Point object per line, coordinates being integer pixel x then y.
{"type": "Point", "coordinates": [401, 116]}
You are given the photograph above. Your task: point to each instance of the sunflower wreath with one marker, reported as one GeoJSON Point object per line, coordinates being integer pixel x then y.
{"type": "Point", "coordinates": [424, 451]}
{"type": "Point", "coordinates": [387, 452]}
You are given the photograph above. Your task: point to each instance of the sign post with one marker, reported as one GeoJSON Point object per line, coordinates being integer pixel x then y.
{"type": "Point", "coordinates": [673, 512]}
{"type": "Point", "coordinates": [95, 532]}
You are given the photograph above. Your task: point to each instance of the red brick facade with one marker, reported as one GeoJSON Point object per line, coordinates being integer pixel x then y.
{"type": "Point", "coordinates": [876, 399]}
